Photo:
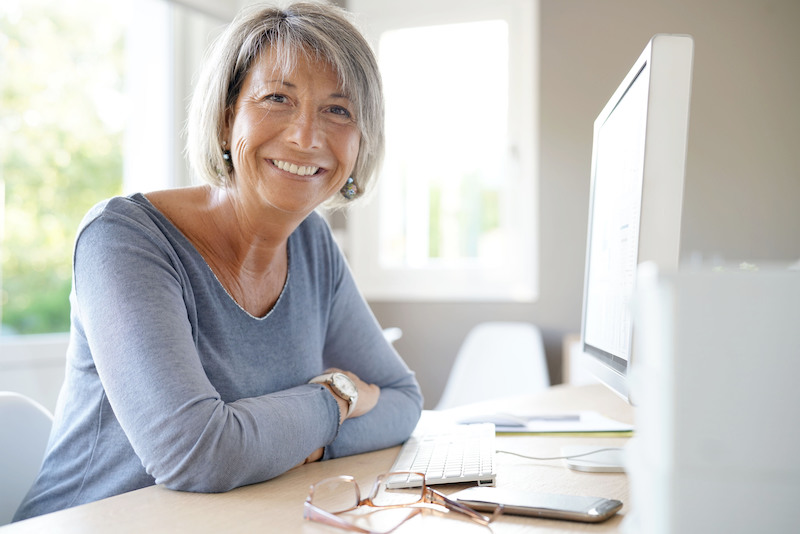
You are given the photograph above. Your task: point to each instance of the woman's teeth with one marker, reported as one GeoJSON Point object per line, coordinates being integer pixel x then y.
{"type": "Point", "coordinates": [295, 169]}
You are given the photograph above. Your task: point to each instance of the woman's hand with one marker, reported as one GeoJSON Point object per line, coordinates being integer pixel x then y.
{"type": "Point", "coordinates": [368, 395]}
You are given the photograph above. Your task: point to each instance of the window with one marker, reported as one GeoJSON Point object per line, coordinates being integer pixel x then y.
{"type": "Point", "coordinates": [454, 214]}
{"type": "Point", "coordinates": [92, 99]}
{"type": "Point", "coordinates": [62, 125]}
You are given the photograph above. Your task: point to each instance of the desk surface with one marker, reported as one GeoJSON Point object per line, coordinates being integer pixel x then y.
{"type": "Point", "coordinates": [277, 505]}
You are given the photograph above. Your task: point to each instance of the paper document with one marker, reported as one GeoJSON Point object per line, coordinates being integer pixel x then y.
{"type": "Point", "coordinates": [584, 421]}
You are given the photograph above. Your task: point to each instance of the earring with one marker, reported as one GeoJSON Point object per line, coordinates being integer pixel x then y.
{"type": "Point", "coordinates": [350, 189]}
{"type": "Point", "coordinates": [226, 155]}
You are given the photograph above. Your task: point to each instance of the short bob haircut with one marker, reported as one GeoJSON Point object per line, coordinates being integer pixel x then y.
{"type": "Point", "coordinates": [319, 31]}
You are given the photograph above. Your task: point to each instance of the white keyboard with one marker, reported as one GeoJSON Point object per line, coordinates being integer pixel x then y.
{"type": "Point", "coordinates": [450, 454]}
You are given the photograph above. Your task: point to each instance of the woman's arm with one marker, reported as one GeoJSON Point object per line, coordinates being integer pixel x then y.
{"type": "Point", "coordinates": [355, 342]}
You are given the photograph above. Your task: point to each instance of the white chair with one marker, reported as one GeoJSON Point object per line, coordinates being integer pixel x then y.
{"type": "Point", "coordinates": [24, 429]}
{"type": "Point", "coordinates": [392, 334]}
{"type": "Point", "coordinates": [496, 359]}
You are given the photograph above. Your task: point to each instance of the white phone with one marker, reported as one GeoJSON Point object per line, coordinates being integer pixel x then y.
{"type": "Point", "coordinates": [545, 505]}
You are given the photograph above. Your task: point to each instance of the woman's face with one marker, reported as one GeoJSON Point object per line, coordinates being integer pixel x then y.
{"type": "Point", "coordinates": [293, 139]}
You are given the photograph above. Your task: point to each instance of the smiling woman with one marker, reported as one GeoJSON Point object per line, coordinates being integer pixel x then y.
{"type": "Point", "coordinates": [212, 329]}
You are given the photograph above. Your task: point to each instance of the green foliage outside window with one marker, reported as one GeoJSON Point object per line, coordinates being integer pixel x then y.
{"type": "Point", "coordinates": [62, 111]}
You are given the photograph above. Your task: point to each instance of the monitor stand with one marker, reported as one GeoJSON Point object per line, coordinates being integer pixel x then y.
{"type": "Point", "coordinates": [603, 461]}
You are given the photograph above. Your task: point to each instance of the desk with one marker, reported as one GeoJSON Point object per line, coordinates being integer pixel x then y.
{"type": "Point", "coordinates": [277, 505]}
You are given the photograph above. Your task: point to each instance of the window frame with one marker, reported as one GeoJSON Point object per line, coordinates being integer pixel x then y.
{"type": "Point", "coordinates": [517, 279]}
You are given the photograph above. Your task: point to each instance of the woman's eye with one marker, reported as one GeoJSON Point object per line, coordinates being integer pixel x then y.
{"type": "Point", "coordinates": [276, 98]}
{"type": "Point", "coordinates": [341, 111]}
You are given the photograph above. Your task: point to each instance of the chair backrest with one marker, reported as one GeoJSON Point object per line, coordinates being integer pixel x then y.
{"type": "Point", "coordinates": [392, 334]}
{"type": "Point", "coordinates": [496, 359]}
{"type": "Point", "coordinates": [24, 430]}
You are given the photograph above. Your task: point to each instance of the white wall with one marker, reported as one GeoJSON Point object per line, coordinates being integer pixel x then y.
{"type": "Point", "coordinates": [743, 169]}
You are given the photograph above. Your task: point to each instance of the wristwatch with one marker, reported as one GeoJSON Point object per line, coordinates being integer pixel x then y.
{"type": "Point", "coordinates": [342, 386]}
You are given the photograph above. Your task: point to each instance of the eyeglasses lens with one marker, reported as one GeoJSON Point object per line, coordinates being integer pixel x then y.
{"type": "Point", "coordinates": [335, 495]}
{"type": "Point", "coordinates": [388, 493]}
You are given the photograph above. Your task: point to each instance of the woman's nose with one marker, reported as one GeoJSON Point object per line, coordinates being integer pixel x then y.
{"type": "Point", "coordinates": [303, 131]}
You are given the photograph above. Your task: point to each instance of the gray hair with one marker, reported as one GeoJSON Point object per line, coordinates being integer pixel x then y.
{"type": "Point", "coordinates": [319, 31]}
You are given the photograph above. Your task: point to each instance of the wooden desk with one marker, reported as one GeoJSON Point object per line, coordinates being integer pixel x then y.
{"type": "Point", "coordinates": [277, 505]}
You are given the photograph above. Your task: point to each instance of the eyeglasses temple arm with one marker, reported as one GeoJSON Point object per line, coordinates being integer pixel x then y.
{"type": "Point", "coordinates": [439, 498]}
{"type": "Point", "coordinates": [313, 513]}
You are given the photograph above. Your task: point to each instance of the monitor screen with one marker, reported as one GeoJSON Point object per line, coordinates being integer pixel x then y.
{"type": "Point", "coordinates": [636, 197]}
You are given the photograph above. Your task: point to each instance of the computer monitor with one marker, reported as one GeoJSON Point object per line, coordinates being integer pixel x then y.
{"type": "Point", "coordinates": [637, 177]}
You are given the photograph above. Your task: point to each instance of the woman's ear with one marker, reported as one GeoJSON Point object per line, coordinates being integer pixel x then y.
{"type": "Point", "coordinates": [227, 124]}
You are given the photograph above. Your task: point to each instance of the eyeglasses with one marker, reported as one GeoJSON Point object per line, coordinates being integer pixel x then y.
{"type": "Point", "coordinates": [337, 495]}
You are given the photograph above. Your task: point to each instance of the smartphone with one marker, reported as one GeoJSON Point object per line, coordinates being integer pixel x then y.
{"type": "Point", "coordinates": [546, 505]}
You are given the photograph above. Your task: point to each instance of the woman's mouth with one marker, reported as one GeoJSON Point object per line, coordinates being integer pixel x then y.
{"type": "Point", "coordinates": [299, 170]}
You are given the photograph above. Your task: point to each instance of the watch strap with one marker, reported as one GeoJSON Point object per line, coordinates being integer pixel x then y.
{"type": "Point", "coordinates": [328, 378]}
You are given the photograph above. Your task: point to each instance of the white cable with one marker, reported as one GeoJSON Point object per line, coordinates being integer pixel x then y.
{"type": "Point", "coordinates": [561, 457]}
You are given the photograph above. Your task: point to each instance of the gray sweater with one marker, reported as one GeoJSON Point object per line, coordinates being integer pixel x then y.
{"type": "Point", "coordinates": [169, 381]}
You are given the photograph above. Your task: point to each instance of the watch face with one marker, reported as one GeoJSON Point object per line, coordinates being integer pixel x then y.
{"type": "Point", "coordinates": [343, 383]}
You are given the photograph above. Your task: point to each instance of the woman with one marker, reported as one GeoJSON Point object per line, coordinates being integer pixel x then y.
{"type": "Point", "coordinates": [206, 320]}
